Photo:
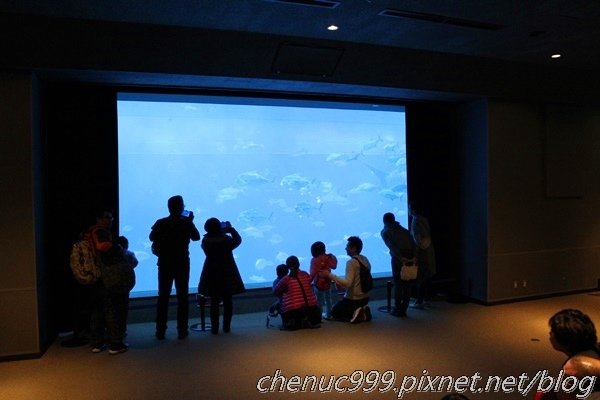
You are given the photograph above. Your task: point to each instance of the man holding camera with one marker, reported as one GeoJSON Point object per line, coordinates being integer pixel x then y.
{"type": "Point", "coordinates": [170, 238]}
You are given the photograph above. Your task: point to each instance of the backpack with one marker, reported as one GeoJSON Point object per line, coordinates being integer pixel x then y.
{"type": "Point", "coordinates": [118, 275]}
{"type": "Point", "coordinates": [84, 263]}
{"type": "Point", "coordinates": [366, 279]}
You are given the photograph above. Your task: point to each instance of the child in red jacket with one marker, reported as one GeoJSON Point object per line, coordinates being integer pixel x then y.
{"type": "Point", "coordinates": [322, 287]}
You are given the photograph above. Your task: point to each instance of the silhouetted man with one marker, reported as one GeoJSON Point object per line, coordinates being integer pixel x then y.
{"type": "Point", "coordinates": [171, 238]}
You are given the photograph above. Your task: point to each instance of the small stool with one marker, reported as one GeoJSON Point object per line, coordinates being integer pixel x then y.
{"type": "Point", "coordinates": [202, 302]}
{"type": "Point", "coordinates": [388, 308]}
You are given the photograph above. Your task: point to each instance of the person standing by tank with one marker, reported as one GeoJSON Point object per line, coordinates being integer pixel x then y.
{"type": "Point", "coordinates": [398, 240]}
{"type": "Point", "coordinates": [421, 234]}
{"type": "Point", "coordinates": [220, 278]}
{"type": "Point", "coordinates": [108, 307]}
{"type": "Point", "coordinates": [321, 260]}
{"type": "Point", "coordinates": [170, 238]}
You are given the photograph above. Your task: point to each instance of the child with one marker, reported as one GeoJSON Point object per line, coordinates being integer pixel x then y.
{"type": "Point", "coordinates": [129, 255]}
{"type": "Point", "coordinates": [132, 261]}
{"type": "Point", "coordinates": [322, 261]}
{"type": "Point", "coordinates": [275, 309]}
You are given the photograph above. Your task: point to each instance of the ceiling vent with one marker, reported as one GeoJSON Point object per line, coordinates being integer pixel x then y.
{"type": "Point", "coordinates": [440, 19]}
{"type": "Point", "coordinates": [310, 3]}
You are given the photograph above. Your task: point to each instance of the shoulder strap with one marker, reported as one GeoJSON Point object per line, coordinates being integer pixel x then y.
{"type": "Point", "coordinates": [302, 289]}
{"type": "Point", "coordinates": [361, 264]}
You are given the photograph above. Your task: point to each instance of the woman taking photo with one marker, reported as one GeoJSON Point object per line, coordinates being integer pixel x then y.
{"type": "Point", "coordinates": [220, 278]}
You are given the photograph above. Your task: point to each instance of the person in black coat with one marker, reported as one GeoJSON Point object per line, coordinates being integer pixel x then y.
{"type": "Point", "coordinates": [220, 278]}
{"type": "Point", "coordinates": [170, 239]}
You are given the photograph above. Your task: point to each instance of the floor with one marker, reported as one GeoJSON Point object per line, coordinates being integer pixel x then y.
{"type": "Point", "coordinates": [446, 341]}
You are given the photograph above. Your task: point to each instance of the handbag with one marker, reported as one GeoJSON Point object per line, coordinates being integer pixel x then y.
{"type": "Point", "coordinates": [409, 269]}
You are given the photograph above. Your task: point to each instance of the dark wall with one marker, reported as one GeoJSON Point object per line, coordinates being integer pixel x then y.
{"type": "Point", "coordinates": [474, 198]}
{"type": "Point", "coordinates": [123, 52]}
{"type": "Point", "coordinates": [538, 222]}
{"type": "Point", "coordinates": [433, 176]}
{"type": "Point", "coordinates": [79, 127]}
{"type": "Point", "coordinates": [21, 271]}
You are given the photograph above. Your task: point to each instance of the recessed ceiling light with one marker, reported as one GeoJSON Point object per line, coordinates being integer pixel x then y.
{"type": "Point", "coordinates": [332, 27]}
{"type": "Point", "coordinates": [555, 56]}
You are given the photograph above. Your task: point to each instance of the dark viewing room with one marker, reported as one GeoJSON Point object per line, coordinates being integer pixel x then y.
{"type": "Point", "coordinates": [263, 199]}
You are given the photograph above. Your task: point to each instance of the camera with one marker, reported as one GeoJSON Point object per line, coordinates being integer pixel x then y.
{"type": "Point", "coordinates": [225, 224]}
{"type": "Point", "coordinates": [185, 213]}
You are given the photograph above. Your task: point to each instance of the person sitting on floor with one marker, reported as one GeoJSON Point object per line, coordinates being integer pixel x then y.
{"type": "Point", "coordinates": [299, 308]}
{"type": "Point", "coordinates": [281, 271]}
{"type": "Point", "coordinates": [353, 307]}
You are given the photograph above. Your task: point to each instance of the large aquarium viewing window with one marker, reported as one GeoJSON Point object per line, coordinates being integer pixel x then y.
{"type": "Point", "coordinates": [286, 173]}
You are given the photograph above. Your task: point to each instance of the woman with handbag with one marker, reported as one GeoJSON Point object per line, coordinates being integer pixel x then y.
{"type": "Point", "coordinates": [299, 307]}
{"type": "Point", "coordinates": [402, 252]}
